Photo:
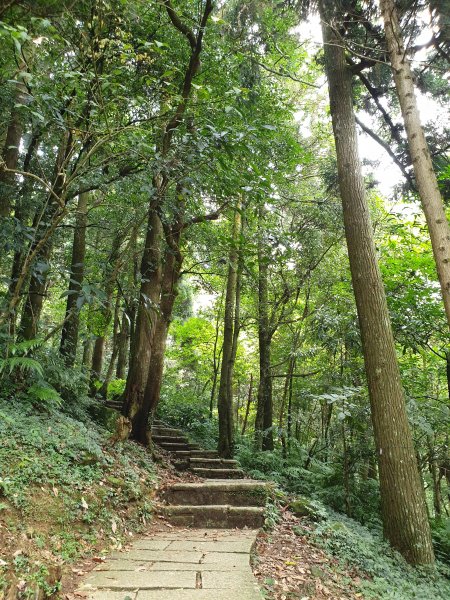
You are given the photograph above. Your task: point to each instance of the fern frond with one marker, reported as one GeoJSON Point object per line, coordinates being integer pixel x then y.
{"type": "Point", "coordinates": [25, 346]}
{"type": "Point", "coordinates": [45, 393]}
{"type": "Point", "coordinates": [23, 363]}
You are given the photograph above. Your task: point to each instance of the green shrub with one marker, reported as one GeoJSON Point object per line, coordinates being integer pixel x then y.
{"type": "Point", "coordinates": [116, 388]}
{"type": "Point", "coordinates": [441, 537]}
{"type": "Point", "coordinates": [181, 408]}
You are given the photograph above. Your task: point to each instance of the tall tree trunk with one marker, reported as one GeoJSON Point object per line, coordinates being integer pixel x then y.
{"type": "Point", "coordinates": [403, 503]}
{"type": "Point", "coordinates": [114, 351]}
{"type": "Point", "coordinates": [70, 330]}
{"type": "Point", "coordinates": [23, 214]}
{"type": "Point", "coordinates": [97, 358]}
{"type": "Point", "coordinates": [169, 293]}
{"type": "Point", "coordinates": [147, 314]}
{"type": "Point", "coordinates": [10, 154]}
{"type": "Point", "coordinates": [432, 204]}
{"type": "Point", "coordinates": [249, 403]}
{"type": "Point", "coordinates": [88, 348]}
{"type": "Point", "coordinates": [225, 397]}
{"type": "Point", "coordinates": [111, 270]}
{"type": "Point", "coordinates": [264, 412]}
{"type": "Point", "coordinates": [123, 342]}
{"type": "Point", "coordinates": [216, 357]}
{"type": "Point", "coordinates": [34, 302]}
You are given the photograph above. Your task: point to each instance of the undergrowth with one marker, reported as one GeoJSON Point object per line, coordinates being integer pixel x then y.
{"type": "Point", "coordinates": [383, 572]}
{"type": "Point", "coordinates": [65, 491]}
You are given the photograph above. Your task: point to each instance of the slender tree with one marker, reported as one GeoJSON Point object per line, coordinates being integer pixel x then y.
{"type": "Point", "coordinates": [403, 503]}
{"type": "Point", "coordinates": [225, 397]}
{"type": "Point", "coordinates": [264, 412]}
{"type": "Point", "coordinates": [70, 330]}
{"type": "Point", "coordinates": [432, 204]}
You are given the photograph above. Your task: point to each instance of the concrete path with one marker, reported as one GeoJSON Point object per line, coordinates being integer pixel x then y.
{"type": "Point", "coordinates": [199, 564]}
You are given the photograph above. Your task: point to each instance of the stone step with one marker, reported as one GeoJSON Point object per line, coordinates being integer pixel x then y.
{"type": "Point", "coordinates": [218, 473]}
{"type": "Point", "coordinates": [167, 431]}
{"type": "Point", "coordinates": [169, 439]}
{"type": "Point", "coordinates": [212, 463]}
{"type": "Point", "coordinates": [182, 454]}
{"type": "Point", "coordinates": [215, 516]}
{"type": "Point", "coordinates": [204, 454]}
{"type": "Point", "coordinates": [170, 447]}
{"type": "Point", "coordinates": [244, 492]}
{"type": "Point", "coordinates": [116, 404]}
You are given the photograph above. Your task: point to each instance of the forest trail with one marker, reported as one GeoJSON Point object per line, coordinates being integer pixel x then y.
{"type": "Point", "coordinates": [196, 563]}
{"type": "Point", "coordinates": [199, 564]}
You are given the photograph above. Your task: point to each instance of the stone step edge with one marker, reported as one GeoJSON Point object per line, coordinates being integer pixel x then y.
{"type": "Point", "coordinates": [223, 486]}
{"type": "Point", "coordinates": [220, 508]}
{"type": "Point", "coordinates": [205, 471]}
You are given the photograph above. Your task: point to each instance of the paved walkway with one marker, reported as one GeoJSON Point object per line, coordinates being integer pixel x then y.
{"type": "Point", "coordinates": [201, 564]}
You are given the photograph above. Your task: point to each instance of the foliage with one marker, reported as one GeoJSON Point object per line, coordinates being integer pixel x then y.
{"type": "Point", "coordinates": [384, 572]}
{"type": "Point", "coordinates": [64, 489]}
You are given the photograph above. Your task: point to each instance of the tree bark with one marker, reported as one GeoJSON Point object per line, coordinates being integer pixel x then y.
{"type": "Point", "coordinates": [249, 403]}
{"type": "Point", "coordinates": [169, 293]}
{"type": "Point", "coordinates": [264, 412]}
{"type": "Point", "coordinates": [216, 358]}
{"type": "Point", "coordinates": [97, 358]}
{"type": "Point", "coordinates": [111, 269]}
{"type": "Point", "coordinates": [70, 330]}
{"type": "Point", "coordinates": [44, 226]}
{"type": "Point", "coordinates": [87, 353]}
{"type": "Point", "coordinates": [147, 314]}
{"type": "Point", "coordinates": [225, 396]}
{"type": "Point", "coordinates": [103, 392]}
{"type": "Point", "coordinates": [123, 342]}
{"type": "Point", "coordinates": [10, 154]}
{"type": "Point", "coordinates": [403, 503]}
{"type": "Point", "coordinates": [432, 204]}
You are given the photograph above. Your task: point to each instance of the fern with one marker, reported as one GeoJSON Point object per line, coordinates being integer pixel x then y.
{"type": "Point", "coordinates": [22, 348]}
{"type": "Point", "coordinates": [22, 363]}
{"type": "Point", "coordinates": [45, 393]}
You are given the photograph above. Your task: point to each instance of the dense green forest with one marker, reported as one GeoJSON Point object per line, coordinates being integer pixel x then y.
{"type": "Point", "coordinates": [231, 216]}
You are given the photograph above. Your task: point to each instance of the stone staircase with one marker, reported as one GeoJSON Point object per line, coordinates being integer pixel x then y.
{"type": "Point", "coordinates": [203, 463]}
{"type": "Point", "coordinates": [226, 499]}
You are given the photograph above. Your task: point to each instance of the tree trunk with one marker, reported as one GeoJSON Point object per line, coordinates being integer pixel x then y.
{"type": "Point", "coordinates": [146, 319]}
{"type": "Point", "coordinates": [115, 351]}
{"type": "Point", "coordinates": [249, 403]}
{"type": "Point", "coordinates": [432, 204]}
{"type": "Point", "coordinates": [225, 397]}
{"type": "Point", "coordinates": [97, 358]}
{"type": "Point", "coordinates": [34, 302]}
{"type": "Point", "coordinates": [124, 338]}
{"type": "Point", "coordinates": [112, 268]}
{"type": "Point", "coordinates": [169, 293]}
{"type": "Point", "coordinates": [264, 413]}
{"type": "Point", "coordinates": [70, 330]}
{"type": "Point", "coordinates": [403, 502]}
{"type": "Point", "coordinates": [10, 154]}
{"type": "Point", "coordinates": [216, 359]}
{"type": "Point", "coordinates": [88, 348]}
